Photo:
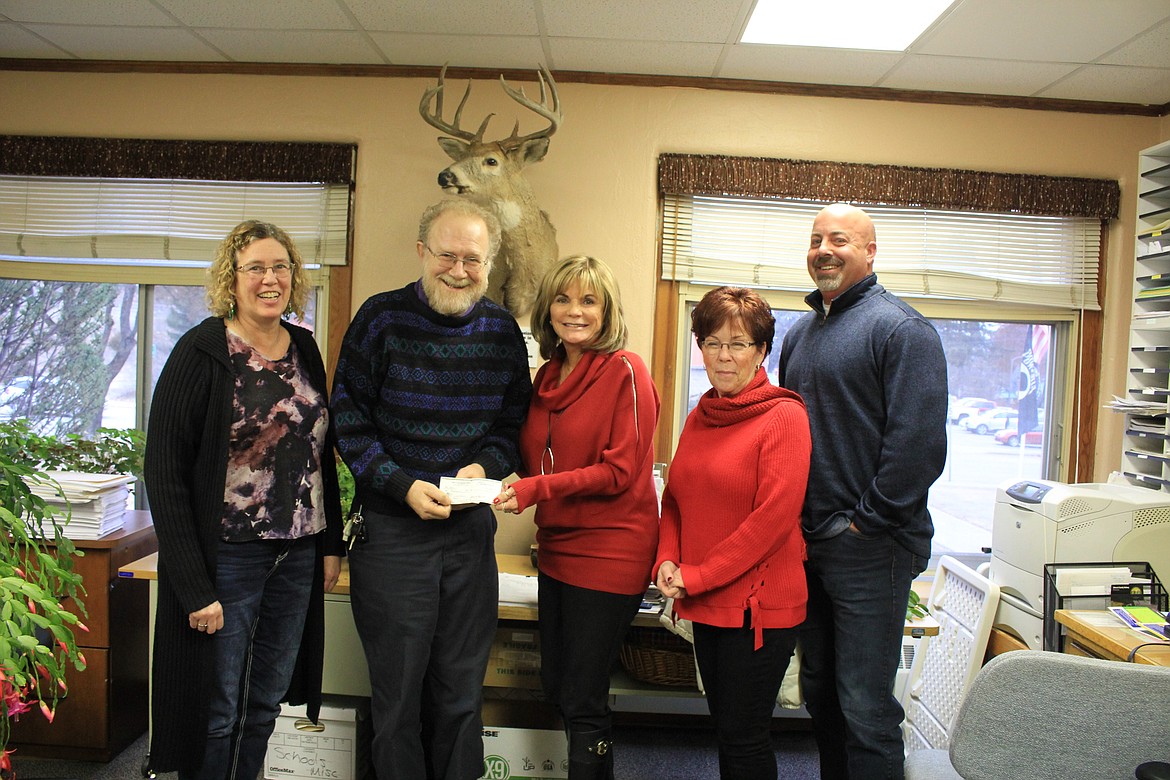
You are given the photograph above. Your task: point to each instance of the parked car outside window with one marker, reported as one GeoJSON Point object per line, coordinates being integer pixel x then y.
{"type": "Point", "coordinates": [991, 421]}
{"type": "Point", "coordinates": [1011, 437]}
{"type": "Point", "coordinates": [966, 407]}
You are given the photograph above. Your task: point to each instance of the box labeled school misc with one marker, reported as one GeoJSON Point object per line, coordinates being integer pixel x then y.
{"type": "Point", "coordinates": [335, 748]}
{"type": "Point", "coordinates": [524, 754]}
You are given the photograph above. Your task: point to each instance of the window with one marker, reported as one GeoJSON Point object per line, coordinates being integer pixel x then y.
{"type": "Point", "coordinates": [103, 246]}
{"type": "Point", "coordinates": [983, 442]}
{"type": "Point", "coordinates": [80, 355]}
{"type": "Point", "coordinates": [991, 276]}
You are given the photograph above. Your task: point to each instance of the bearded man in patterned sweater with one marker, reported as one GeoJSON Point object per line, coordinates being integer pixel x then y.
{"type": "Point", "coordinates": [432, 381]}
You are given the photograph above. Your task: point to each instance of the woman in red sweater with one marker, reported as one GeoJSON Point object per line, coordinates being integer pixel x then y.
{"type": "Point", "coordinates": [730, 550]}
{"type": "Point", "coordinates": [588, 454]}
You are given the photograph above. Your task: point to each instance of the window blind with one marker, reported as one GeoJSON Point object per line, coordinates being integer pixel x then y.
{"type": "Point", "coordinates": [161, 221]}
{"type": "Point", "coordinates": [959, 255]}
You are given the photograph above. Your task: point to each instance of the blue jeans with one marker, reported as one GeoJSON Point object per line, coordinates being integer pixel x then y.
{"type": "Point", "coordinates": [425, 601]}
{"type": "Point", "coordinates": [741, 685]}
{"type": "Point", "coordinates": [858, 587]}
{"type": "Point", "coordinates": [264, 589]}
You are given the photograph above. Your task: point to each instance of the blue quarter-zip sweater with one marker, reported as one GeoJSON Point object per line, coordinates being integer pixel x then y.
{"type": "Point", "coordinates": [873, 375]}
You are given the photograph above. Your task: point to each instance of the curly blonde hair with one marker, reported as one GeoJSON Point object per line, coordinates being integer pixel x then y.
{"type": "Point", "coordinates": [221, 274]}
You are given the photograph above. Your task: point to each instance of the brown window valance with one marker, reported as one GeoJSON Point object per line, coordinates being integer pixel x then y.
{"type": "Point", "coordinates": [136, 158]}
{"type": "Point", "coordinates": [938, 188]}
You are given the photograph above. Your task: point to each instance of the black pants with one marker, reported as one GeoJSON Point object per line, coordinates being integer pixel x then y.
{"type": "Point", "coordinates": [581, 633]}
{"type": "Point", "coordinates": [741, 685]}
{"type": "Point", "coordinates": [425, 600]}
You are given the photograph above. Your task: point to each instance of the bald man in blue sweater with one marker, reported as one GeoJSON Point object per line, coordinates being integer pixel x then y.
{"type": "Point", "coordinates": [873, 375]}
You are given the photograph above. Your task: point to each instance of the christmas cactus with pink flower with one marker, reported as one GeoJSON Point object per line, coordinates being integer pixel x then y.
{"type": "Point", "coordinates": [37, 633]}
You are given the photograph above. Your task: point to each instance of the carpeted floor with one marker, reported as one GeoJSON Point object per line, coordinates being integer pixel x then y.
{"type": "Point", "coordinates": [642, 753]}
{"type": "Point", "coordinates": [127, 765]}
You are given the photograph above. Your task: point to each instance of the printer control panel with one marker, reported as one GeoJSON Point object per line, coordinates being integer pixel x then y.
{"type": "Point", "coordinates": [1029, 492]}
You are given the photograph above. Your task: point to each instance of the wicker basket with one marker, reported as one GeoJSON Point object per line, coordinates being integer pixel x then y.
{"type": "Point", "coordinates": [654, 655]}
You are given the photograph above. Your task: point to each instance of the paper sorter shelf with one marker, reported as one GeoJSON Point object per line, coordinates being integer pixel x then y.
{"type": "Point", "coordinates": [1090, 586]}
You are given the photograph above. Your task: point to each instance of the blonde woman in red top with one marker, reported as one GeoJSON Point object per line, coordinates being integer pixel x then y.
{"type": "Point", "coordinates": [731, 551]}
{"type": "Point", "coordinates": [587, 448]}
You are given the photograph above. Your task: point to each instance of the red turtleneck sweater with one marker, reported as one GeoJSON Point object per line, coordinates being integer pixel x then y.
{"type": "Point", "coordinates": [597, 511]}
{"type": "Point", "coordinates": [731, 511]}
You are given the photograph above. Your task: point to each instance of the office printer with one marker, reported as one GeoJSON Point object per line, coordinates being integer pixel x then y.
{"type": "Point", "coordinates": [1037, 522]}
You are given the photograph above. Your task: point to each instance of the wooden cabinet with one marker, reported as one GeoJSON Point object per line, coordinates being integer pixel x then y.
{"type": "Point", "coordinates": [1145, 458]}
{"type": "Point", "coordinates": [106, 708]}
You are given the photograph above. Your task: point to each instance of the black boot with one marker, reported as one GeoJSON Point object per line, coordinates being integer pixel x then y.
{"type": "Point", "coordinates": [590, 755]}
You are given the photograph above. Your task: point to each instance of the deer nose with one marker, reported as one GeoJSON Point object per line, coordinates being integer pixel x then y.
{"type": "Point", "coordinates": [447, 179]}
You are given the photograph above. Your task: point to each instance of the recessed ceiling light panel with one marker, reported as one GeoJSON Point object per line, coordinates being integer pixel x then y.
{"type": "Point", "coordinates": [881, 25]}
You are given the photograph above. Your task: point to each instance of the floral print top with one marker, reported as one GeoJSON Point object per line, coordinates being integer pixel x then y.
{"type": "Point", "coordinates": [274, 486]}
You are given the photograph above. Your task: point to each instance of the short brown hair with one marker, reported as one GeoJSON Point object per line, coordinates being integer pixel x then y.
{"type": "Point", "coordinates": [221, 274]}
{"type": "Point", "coordinates": [734, 304]}
{"type": "Point", "coordinates": [590, 274]}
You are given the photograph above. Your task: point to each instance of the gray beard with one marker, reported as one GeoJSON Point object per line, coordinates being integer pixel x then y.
{"type": "Point", "coordinates": [829, 285]}
{"type": "Point", "coordinates": [451, 301]}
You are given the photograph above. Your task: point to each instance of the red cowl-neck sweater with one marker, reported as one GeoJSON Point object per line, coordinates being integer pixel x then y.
{"type": "Point", "coordinates": [731, 511]}
{"type": "Point", "coordinates": [596, 507]}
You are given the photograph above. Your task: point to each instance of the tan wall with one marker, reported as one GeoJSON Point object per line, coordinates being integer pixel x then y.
{"type": "Point", "coordinates": [598, 182]}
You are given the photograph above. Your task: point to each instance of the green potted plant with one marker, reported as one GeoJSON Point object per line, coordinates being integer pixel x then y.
{"type": "Point", "coordinates": [37, 634]}
{"type": "Point", "coordinates": [37, 641]}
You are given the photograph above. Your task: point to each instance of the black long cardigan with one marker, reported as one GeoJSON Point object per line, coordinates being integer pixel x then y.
{"type": "Point", "coordinates": [185, 474]}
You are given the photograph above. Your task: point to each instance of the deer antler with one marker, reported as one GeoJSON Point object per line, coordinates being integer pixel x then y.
{"type": "Point", "coordinates": [436, 119]}
{"type": "Point", "coordinates": [549, 109]}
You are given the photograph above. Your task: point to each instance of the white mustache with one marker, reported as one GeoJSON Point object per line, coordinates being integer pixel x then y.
{"type": "Point", "coordinates": [456, 283]}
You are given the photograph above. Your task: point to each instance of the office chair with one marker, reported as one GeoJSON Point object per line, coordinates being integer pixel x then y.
{"type": "Point", "coordinates": [1037, 715]}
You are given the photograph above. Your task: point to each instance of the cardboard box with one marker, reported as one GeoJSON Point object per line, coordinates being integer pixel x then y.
{"type": "Point", "coordinates": [337, 748]}
{"type": "Point", "coordinates": [524, 754]}
{"type": "Point", "coordinates": [515, 659]}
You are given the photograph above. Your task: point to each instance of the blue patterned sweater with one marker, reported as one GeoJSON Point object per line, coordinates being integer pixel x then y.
{"type": "Point", "coordinates": [419, 395]}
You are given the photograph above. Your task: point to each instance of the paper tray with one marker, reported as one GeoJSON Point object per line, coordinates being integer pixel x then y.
{"type": "Point", "coordinates": [1144, 588]}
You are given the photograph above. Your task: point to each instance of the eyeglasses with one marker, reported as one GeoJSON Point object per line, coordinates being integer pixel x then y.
{"type": "Point", "coordinates": [259, 270]}
{"type": "Point", "coordinates": [714, 347]}
{"type": "Point", "coordinates": [447, 260]}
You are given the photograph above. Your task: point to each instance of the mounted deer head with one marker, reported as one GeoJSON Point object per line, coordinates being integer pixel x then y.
{"type": "Point", "coordinates": [491, 173]}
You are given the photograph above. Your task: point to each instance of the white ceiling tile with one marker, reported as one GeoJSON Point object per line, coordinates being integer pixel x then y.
{"type": "Point", "coordinates": [15, 41]}
{"type": "Point", "coordinates": [806, 65]}
{"type": "Point", "coordinates": [486, 51]}
{"type": "Point", "coordinates": [138, 13]}
{"type": "Point", "coordinates": [1009, 47]}
{"type": "Point", "coordinates": [704, 21]}
{"type": "Point", "coordinates": [259, 14]}
{"type": "Point", "coordinates": [459, 17]}
{"type": "Point", "coordinates": [961, 74]}
{"type": "Point", "coordinates": [1040, 30]}
{"type": "Point", "coordinates": [294, 46]}
{"type": "Point", "coordinates": [1114, 83]}
{"type": "Point", "coordinates": [1151, 50]}
{"type": "Point", "coordinates": [128, 43]}
{"type": "Point", "coordinates": [682, 59]}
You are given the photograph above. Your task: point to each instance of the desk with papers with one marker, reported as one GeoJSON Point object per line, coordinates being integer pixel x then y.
{"type": "Point", "coordinates": [1097, 633]}
{"type": "Point", "coordinates": [345, 664]}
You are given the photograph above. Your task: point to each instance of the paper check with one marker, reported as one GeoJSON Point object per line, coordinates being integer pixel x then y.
{"type": "Point", "coordinates": [470, 491]}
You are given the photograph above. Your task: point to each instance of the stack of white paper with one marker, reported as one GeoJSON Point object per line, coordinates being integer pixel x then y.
{"type": "Point", "coordinates": [1134, 406]}
{"type": "Point", "coordinates": [518, 589]}
{"type": "Point", "coordinates": [93, 505]}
